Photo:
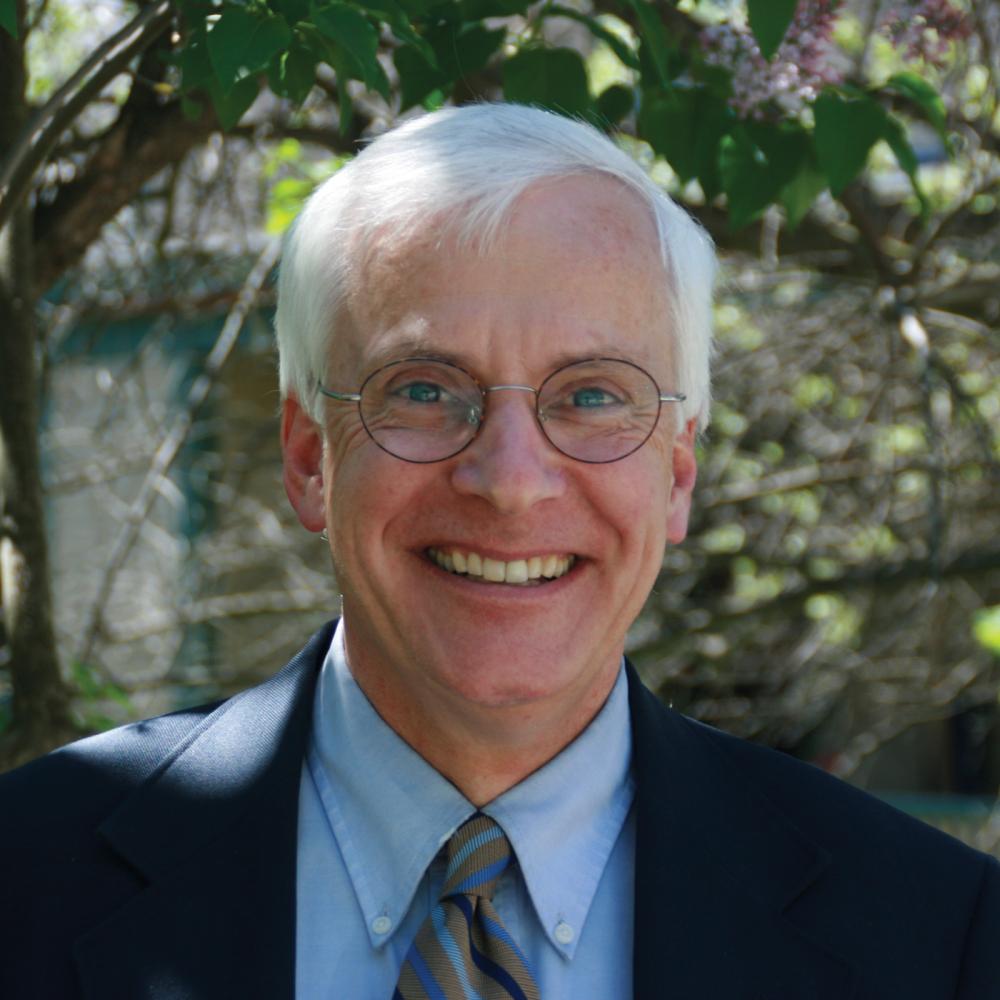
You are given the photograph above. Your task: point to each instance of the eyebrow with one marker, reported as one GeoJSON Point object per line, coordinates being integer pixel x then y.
{"type": "Point", "coordinates": [424, 347]}
{"type": "Point", "coordinates": [411, 347]}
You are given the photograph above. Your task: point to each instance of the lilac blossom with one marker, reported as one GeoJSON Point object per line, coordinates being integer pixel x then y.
{"type": "Point", "coordinates": [923, 29]}
{"type": "Point", "coordinates": [808, 59]}
{"type": "Point", "coordinates": [784, 85]}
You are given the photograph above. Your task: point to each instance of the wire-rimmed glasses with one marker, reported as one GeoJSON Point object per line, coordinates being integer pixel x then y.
{"type": "Point", "coordinates": [427, 410]}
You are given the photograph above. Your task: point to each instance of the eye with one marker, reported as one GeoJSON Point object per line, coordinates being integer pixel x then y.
{"type": "Point", "coordinates": [421, 392]}
{"type": "Point", "coordinates": [593, 397]}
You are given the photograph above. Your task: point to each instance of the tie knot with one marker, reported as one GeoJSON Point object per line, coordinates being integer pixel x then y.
{"type": "Point", "coordinates": [478, 853]}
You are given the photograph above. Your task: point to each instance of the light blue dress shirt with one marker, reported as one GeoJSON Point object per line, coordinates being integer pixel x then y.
{"type": "Point", "coordinates": [374, 816]}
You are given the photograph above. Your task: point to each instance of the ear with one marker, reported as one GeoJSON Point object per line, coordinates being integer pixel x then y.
{"type": "Point", "coordinates": [302, 459]}
{"type": "Point", "coordinates": [685, 474]}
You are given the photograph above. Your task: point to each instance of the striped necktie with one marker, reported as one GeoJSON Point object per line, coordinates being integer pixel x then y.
{"type": "Point", "coordinates": [462, 951]}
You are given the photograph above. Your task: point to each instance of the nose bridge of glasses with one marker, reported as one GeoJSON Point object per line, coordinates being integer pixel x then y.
{"type": "Point", "coordinates": [518, 388]}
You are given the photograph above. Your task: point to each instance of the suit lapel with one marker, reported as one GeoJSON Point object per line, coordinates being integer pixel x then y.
{"type": "Point", "coordinates": [717, 873]}
{"type": "Point", "coordinates": [214, 835]}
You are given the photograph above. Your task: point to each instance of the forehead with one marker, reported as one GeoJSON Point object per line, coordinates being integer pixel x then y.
{"type": "Point", "coordinates": [577, 261]}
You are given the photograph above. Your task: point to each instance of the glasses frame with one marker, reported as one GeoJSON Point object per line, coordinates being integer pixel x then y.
{"type": "Point", "coordinates": [355, 397]}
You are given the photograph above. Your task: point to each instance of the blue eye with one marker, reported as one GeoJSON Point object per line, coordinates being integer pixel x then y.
{"type": "Point", "coordinates": [422, 392]}
{"type": "Point", "coordinates": [592, 398]}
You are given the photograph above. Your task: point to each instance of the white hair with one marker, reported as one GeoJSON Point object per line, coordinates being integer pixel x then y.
{"type": "Point", "coordinates": [465, 168]}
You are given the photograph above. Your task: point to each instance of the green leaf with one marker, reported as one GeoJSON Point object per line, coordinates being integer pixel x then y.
{"type": "Point", "coordinates": [622, 50]}
{"type": "Point", "coordinates": [285, 202]}
{"type": "Point", "coordinates": [393, 14]}
{"type": "Point", "coordinates": [923, 94]}
{"type": "Point", "coordinates": [345, 69]}
{"type": "Point", "coordinates": [614, 103]}
{"type": "Point", "coordinates": [654, 37]}
{"type": "Point", "coordinates": [684, 125]}
{"type": "Point", "coordinates": [197, 10]}
{"type": "Point", "coordinates": [94, 688]}
{"type": "Point", "coordinates": [417, 9]}
{"type": "Point", "coordinates": [84, 680]}
{"type": "Point", "coordinates": [986, 628]}
{"type": "Point", "coordinates": [346, 112]}
{"type": "Point", "coordinates": [293, 10]}
{"type": "Point", "coordinates": [470, 50]}
{"type": "Point", "coordinates": [847, 126]}
{"type": "Point", "coordinates": [756, 163]}
{"type": "Point", "coordinates": [769, 21]}
{"type": "Point", "coordinates": [349, 30]}
{"type": "Point", "coordinates": [194, 62]}
{"type": "Point", "coordinates": [293, 73]}
{"type": "Point", "coordinates": [417, 77]}
{"type": "Point", "coordinates": [895, 136]}
{"type": "Point", "coordinates": [8, 17]}
{"type": "Point", "coordinates": [230, 105]}
{"type": "Point", "coordinates": [478, 10]}
{"type": "Point", "coordinates": [801, 192]}
{"type": "Point", "coordinates": [227, 39]}
{"type": "Point", "coordinates": [846, 129]}
{"type": "Point", "coordinates": [241, 44]}
{"type": "Point", "coordinates": [455, 55]}
{"type": "Point", "coordinates": [551, 78]}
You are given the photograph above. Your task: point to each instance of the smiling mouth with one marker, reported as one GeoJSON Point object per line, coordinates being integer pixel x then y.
{"type": "Point", "coordinates": [518, 572]}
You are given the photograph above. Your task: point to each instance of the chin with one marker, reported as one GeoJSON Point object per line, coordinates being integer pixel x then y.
{"type": "Point", "coordinates": [505, 687]}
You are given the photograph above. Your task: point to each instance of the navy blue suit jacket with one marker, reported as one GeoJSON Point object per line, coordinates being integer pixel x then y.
{"type": "Point", "coordinates": [158, 861]}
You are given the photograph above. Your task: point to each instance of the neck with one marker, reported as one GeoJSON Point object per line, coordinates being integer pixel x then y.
{"type": "Point", "coordinates": [483, 750]}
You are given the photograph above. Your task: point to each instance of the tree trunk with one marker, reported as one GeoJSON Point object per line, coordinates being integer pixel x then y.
{"type": "Point", "coordinates": [40, 716]}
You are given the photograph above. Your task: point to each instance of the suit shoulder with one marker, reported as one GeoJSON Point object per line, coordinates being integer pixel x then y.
{"type": "Point", "coordinates": [88, 776]}
{"type": "Point", "coordinates": [831, 811]}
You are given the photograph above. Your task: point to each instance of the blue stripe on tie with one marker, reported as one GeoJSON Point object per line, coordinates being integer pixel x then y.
{"type": "Point", "coordinates": [453, 952]}
{"type": "Point", "coordinates": [481, 876]}
{"type": "Point", "coordinates": [493, 929]}
{"type": "Point", "coordinates": [497, 973]}
{"type": "Point", "coordinates": [486, 964]}
{"type": "Point", "coordinates": [425, 976]}
{"type": "Point", "coordinates": [473, 845]}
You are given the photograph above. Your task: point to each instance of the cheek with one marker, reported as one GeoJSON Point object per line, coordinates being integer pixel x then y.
{"type": "Point", "coordinates": [644, 510]}
{"type": "Point", "coordinates": [369, 496]}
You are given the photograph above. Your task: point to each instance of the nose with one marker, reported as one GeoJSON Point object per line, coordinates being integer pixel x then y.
{"type": "Point", "coordinates": [510, 464]}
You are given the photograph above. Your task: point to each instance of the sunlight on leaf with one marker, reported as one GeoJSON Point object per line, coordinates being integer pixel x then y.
{"type": "Point", "coordinates": [986, 628]}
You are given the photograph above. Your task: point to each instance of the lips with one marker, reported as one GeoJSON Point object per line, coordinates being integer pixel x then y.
{"type": "Point", "coordinates": [518, 572]}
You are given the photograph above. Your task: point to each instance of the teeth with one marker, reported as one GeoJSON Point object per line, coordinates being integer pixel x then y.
{"type": "Point", "coordinates": [517, 571]}
{"type": "Point", "coordinates": [493, 570]}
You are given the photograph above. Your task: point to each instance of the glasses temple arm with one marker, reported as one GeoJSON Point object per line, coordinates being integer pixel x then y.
{"type": "Point", "coordinates": [343, 397]}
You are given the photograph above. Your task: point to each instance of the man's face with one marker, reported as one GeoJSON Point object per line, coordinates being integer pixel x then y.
{"type": "Point", "coordinates": [577, 275]}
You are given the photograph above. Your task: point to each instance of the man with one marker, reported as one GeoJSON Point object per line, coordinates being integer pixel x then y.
{"type": "Point", "coordinates": [494, 338]}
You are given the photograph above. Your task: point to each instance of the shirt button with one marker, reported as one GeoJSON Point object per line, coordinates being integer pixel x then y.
{"type": "Point", "coordinates": [564, 933]}
{"type": "Point", "coordinates": [382, 925]}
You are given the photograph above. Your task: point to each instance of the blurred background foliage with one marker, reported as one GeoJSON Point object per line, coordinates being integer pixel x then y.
{"type": "Point", "coordinates": [839, 595]}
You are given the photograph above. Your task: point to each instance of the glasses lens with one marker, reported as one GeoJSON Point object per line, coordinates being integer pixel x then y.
{"type": "Point", "coordinates": [598, 411]}
{"type": "Point", "coordinates": [421, 410]}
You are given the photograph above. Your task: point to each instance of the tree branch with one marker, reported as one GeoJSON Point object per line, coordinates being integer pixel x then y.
{"type": "Point", "coordinates": [42, 133]}
{"type": "Point", "coordinates": [142, 142]}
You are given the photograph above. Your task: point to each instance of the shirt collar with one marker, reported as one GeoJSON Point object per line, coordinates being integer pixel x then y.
{"type": "Point", "coordinates": [562, 820]}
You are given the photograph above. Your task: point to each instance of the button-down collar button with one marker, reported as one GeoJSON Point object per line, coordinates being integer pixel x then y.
{"type": "Point", "coordinates": [383, 924]}
{"type": "Point", "coordinates": [563, 932]}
